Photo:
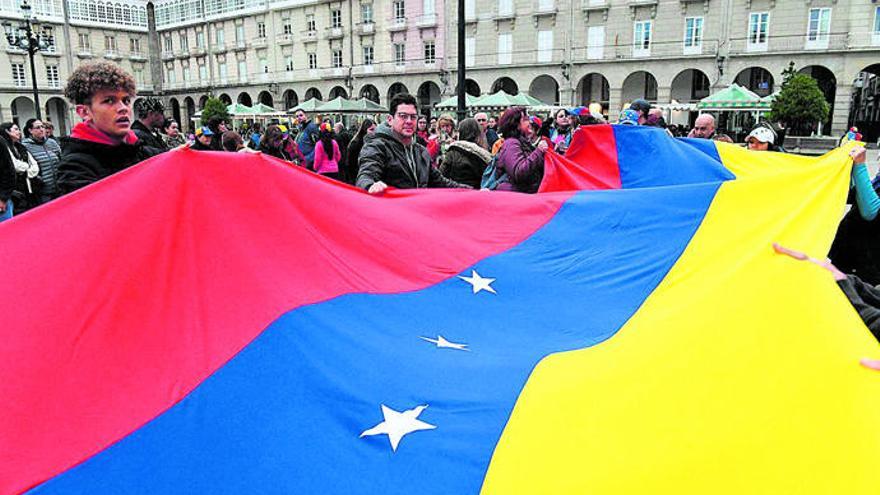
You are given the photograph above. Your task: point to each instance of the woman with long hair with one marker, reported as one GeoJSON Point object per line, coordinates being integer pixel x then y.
{"type": "Point", "coordinates": [327, 154]}
{"type": "Point", "coordinates": [518, 158]}
{"type": "Point", "coordinates": [350, 168]}
{"type": "Point", "coordinates": [27, 184]}
{"type": "Point", "coordinates": [467, 158]}
{"type": "Point", "coordinates": [273, 143]}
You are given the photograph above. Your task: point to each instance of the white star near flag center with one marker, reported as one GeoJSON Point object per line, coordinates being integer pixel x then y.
{"type": "Point", "coordinates": [399, 424]}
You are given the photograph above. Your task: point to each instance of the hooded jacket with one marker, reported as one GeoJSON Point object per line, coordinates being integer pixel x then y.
{"type": "Point", "coordinates": [88, 156]}
{"type": "Point", "coordinates": [306, 139]}
{"type": "Point", "coordinates": [523, 163]}
{"type": "Point", "coordinates": [465, 162]}
{"type": "Point", "coordinates": [384, 158]}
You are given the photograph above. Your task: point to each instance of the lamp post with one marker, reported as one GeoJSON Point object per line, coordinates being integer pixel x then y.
{"type": "Point", "coordinates": [26, 39]}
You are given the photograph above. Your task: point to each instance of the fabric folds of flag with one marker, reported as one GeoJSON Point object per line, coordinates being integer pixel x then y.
{"type": "Point", "coordinates": [223, 323]}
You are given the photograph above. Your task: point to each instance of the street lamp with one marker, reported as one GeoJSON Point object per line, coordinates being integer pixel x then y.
{"type": "Point", "coordinates": [24, 38]}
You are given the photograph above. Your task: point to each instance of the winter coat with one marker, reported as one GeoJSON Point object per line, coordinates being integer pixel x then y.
{"type": "Point", "coordinates": [7, 176]}
{"type": "Point", "coordinates": [47, 154]}
{"type": "Point", "coordinates": [87, 156]}
{"type": "Point", "coordinates": [384, 158]}
{"type": "Point", "coordinates": [27, 189]}
{"type": "Point", "coordinates": [327, 164]}
{"type": "Point", "coordinates": [305, 140]}
{"type": "Point", "coordinates": [465, 162]}
{"type": "Point", "coordinates": [523, 163]}
{"type": "Point", "coordinates": [865, 298]}
{"type": "Point", "coordinates": [352, 156]}
{"type": "Point", "coordinates": [148, 137]}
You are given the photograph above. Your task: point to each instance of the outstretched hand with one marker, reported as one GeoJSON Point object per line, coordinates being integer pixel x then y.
{"type": "Point", "coordinates": [838, 275]}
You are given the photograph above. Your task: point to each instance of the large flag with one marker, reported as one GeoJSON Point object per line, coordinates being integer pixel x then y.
{"type": "Point", "coordinates": [224, 323]}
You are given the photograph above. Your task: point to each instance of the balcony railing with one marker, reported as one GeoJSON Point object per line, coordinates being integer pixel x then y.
{"type": "Point", "coordinates": [112, 55]}
{"type": "Point", "coordinates": [797, 43]}
{"type": "Point", "coordinates": [309, 36]}
{"type": "Point", "coordinates": [285, 39]}
{"type": "Point", "coordinates": [365, 28]}
{"type": "Point", "coordinates": [168, 55]}
{"type": "Point", "coordinates": [397, 24]}
{"type": "Point", "coordinates": [427, 21]}
{"type": "Point", "coordinates": [629, 51]}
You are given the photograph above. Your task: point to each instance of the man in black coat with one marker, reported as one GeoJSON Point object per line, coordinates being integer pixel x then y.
{"type": "Point", "coordinates": [103, 143]}
{"type": "Point", "coordinates": [150, 117]}
{"type": "Point", "coordinates": [392, 157]}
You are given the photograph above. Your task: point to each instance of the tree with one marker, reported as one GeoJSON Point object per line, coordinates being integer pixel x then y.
{"type": "Point", "coordinates": [800, 104]}
{"type": "Point", "coordinates": [214, 107]}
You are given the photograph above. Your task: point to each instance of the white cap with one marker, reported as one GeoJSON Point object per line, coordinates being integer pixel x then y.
{"type": "Point", "coordinates": [762, 134]}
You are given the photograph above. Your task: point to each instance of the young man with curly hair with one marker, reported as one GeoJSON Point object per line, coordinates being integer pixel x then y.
{"type": "Point", "coordinates": [103, 143]}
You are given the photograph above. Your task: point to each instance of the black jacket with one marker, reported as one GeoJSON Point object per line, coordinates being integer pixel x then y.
{"type": "Point", "coordinates": [352, 157]}
{"type": "Point", "coordinates": [7, 175]}
{"type": "Point", "coordinates": [148, 137]}
{"type": "Point", "coordinates": [465, 162]}
{"type": "Point", "coordinates": [84, 162]}
{"type": "Point", "coordinates": [856, 247]}
{"type": "Point", "coordinates": [14, 184]}
{"type": "Point", "coordinates": [866, 299]}
{"type": "Point", "coordinates": [384, 158]}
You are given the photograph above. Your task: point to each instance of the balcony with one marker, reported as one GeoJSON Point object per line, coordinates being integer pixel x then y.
{"type": "Point", "coordinates": [544, 8]}
{"type": "Point", "coordinates": [285, 39]}
{"type": "Point", "coordinates": [503, 15]}
{"type": "Point", "coordinates": [137, 57]}
{"type": "Point", "coordinates": [335, 33]}
{"type": "Point", "coordinates": [595, 6]}
{"type": "Point", "coordinates": [655, 50]}
{"type": "Point", "coordinates": [51, 51]}
{"type": "Point", "coordinates": [309, 36]}
{"type": "Point", "coordinates": [84, 53]}
{"type": "Point", "coordinates": [427, 21]}
{"type": "Point", "coordinates": [259, 42]}
{"type": "Point", "coordinates": [183, 54]}
{"type": "Point", "coordinates": [366, 28]}
{"type": "Point", "coordinates": [833, 42]}
{"type": "Point", "coordinates": [219, 48]}
{"type": "Point", "coordinates": [199, 51]}
{"type": "Point", "coordinates": [240, 46]}
{"type": "Point", "coordinates": [112, 55]}
{"type": "Point", "coordinates": [635, 4]}
{"type": "Point", "coordinates": [167, 55]}
{"type": "Point", "coordinates": [397, 24]}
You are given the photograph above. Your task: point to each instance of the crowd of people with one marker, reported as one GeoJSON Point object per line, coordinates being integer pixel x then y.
{"type": "Point", "coordinates": [406, 149]}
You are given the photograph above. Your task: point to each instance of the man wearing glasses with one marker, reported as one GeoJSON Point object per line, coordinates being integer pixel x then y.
{"type": "Point", "coordinates": [392, 157]}
{"type": "Point", "coordinates": [491, 136]}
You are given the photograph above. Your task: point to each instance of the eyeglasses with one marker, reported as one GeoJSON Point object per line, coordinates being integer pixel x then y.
{"type": "Point", "coordinates": [407, 116]}
{"type": "Point", "coordinates": [481, 120]}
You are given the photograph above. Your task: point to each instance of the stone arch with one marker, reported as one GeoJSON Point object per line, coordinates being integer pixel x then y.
{"type": "Point", "coordinates": [690, 86]}
{"type": "Point", "coordinates": [507, 84]}
{"type": "Point", "coordinates": [396, 89]}
{"type": "Point", "coordinates": [471, 87]}
{"type": "Point", "coordinates": [225, 99]}
{"type": "Point", "coordinates": [639, 84]}
{"type": "Point", "coordinates": [864, 110]}
{"type": "Point", "coordinates": [245, 99]}
{"type": "Point", "coordinates": [545, 88]}
{"type": "Point", "coordinates": [202, 101]}
{"type": "Point", "coordinates": [827, 82]}
{"type": "Point", "coordinates": [314, 93]}
{"type": "Point", "coordinates": [175, 109]}
{"type": "Point", "coordinates": [428, 95]}
{"type": "Point", "coordinates": [22, 109]}
{"type": "Point", "coordinates": [338, 91]}
{"type": "Point", "coordinates": [190, 105]}
{"type": "Point", "coordinates": [265, 98]}
{"type": "Point", "coordinates": [757, 79]}
{"type": "Point", "coordinates": [370, 92]}
{"type": "Point", "coordinates": [594, 88]}
{"type": "Point", "coordinates": [57, 113]}
{"type": "Point", "coordinates": [290, 99]}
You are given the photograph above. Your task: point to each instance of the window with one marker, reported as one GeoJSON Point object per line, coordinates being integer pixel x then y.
{"type": "Point", "coordinates": [428, 7]}
{"type": "Point", "coordinates": [470, 9]}
{"type": "Point", "coordinates": [430, 52]}
{"type": "Point", "coordinates": [399, 10]}
{"type": "Point", "coordinates": [203, 72]}
{"type": "Point", "coordinates": [18, 75]}
{"type": "Point", "coordinates": [545, 46]}
{"type": "Point", "coordinates": [110, 44]}
{"type": "Point", "coordinates": [693, 35]}
{"type": "Point", "coordinates": [220, 36]}
{"type": "Point", "coordinates": [368, 55]}
{"type": "Point", "coordinates": [200, 40]}
{"type": "Point", "coordinates": [337, 59]}
{"type": "Point", "coordinates": [875, 38]}
{"type": "Point", "coordinates": [135, 45]}
{"type": "Point", "coordinates": [470, 54]}
{"type": "Point", "coordinates": [261, 30]}
{"type": "Point", "coordinates": [758, 24]}
{"type": "Point", "coordinates": [169, 72]}
{"type": "Point", "coordinates": [818, 28]}
{"type": "Point", "coordinates": [367, 13]}
{"type": "Point", "coordinates": [264, 65]}
{"type": "Point", "coordinates": [505, 49]}
{"type": "Point", "coordinates": [336, 18]}
{"type": "Point", "coordinates": [242, 70]}
{"type": "Point", "coordinates": [221, 68]}
{"type": "Point", "coordinates": [642, 39]}
{"type": "Point", "coordinates": [138, 75]}
{"type": "Point", "coordinates": [239, 34]}
{"type": "Point", "coordinates": [52, 76]}
{"type": "Point", "coordinates": [48, 36]}
{"type": "Point", "coordinates": [286, 27]}
{"type": "Point", "coordinates": [310, 23]}
{"type": "Point", "coordinates": [185, 73]}
{"type": "Point", "coordinates": [169, 45]}
{"type": "Point", "coordinates": [85, 43]}
{"type": "Point", "coordinates": [596, 42]}
{"type": "Point", "coordinates": [288, 63]}
{"type": "Point", "coordinates": [313, 61]}
{"type": "Point", "coordinates": [184, 42]}
{"type": "Point", "coordinates": [505, 7]}
{"type": "Point", "coordinates": [399, 54]}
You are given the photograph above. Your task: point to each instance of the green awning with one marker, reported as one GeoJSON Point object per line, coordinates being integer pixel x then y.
{"type": "Point", "coordinates": [310, 105]}
{"type": "Point", "coordinates": [260, 108]}
{"type": "Point", "coordinates": [344, 105]}
{"type": "Point", "coordinates": [734, 97]}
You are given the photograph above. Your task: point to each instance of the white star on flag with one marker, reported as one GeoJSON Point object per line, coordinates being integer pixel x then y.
{"type": "Point", "coordinates": [445, 344]}
{"type": "Point", "coordinates": [479, 283]}
{"type": "Point", "coordinates": [398, 424]}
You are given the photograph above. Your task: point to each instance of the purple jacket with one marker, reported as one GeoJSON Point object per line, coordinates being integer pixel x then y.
{"type": "Point", "coordinates": [523, 164]}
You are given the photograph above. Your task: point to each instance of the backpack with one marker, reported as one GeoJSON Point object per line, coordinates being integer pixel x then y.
{"type": "Point", "coordinates": [491, 176]}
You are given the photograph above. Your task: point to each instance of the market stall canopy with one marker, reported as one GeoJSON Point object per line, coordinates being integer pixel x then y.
{"type": "Point", "coordinates": [234, 110]}
{"type": "Point", "coordinates": [261, 109]}
{"type": "Point", "coordinates": [734, 98]}
{"type": "Point", "coordinates": [343, 105]}
{"type": "Point", "coordinates": [310, 105]}
{"type": "Point", "coordinates": [452, 103]}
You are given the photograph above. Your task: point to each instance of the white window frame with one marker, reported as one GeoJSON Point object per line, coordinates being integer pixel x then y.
{"type": "Point", "coordinates": [470, 55]}
{"type": "Point", "coordinates": [288, 63]}
{"type": "Point", "coordinates": [336, 18]}
{"type": "Point", "coordinates": [875, 33]}
{"type": "Point", "coordinates": [220, 36]}
{"type": "Point", "coordinates": [641, 44]}
{"type": "Point", "coordinates": [242, 70]}
{"type": "Point", "coordinates": [545, 53]}
{"type": "Point", "coordinates": [19, 76]}
{"type": "Point", "coordinates": [595, 51]}
{"type": "Point", "coordinates": [240, 37]}
{"type": "Point", "coordinates": [505, 49]}
{"type": "Point", "coordinates": [336, 59]}
{"type": "Point", "coordinates": [52, 76]}
{"type": "Point", "coordinates": [170, 75]}
{"type": "Point", "coordinates": [398, 9]}
{"type": "Point", "coordinates": [313, 61]}
{"type": "Point", "coordinates": [366, 13]}
{"type": "Point", "coordinates": [505, 7]}
{"type": "Point", "coordinates": [754, 42]}
{"type": "Point", "coordinates": [693, 36]}
{"type": "Point", "coordinates": [818, 39]}
{"type": "Point", "coordinates": [200, 40]}
{"type": "Point", "coordinates": [470, 9]}
{"type": "Point", "coordinates": [222, 72]}
{"type": "Point", "coordinates": [261, 30]}
{"type": "Point", "coordinates": [429, 49]}
{"type": "Point", "coordinates": [368, 55]}
{"type": "Point", "coordinates": [203, 72]}
{"type": "Point", "coordinates": [311, 26]}
{"type": "Point", "coordinates": [399, 52]}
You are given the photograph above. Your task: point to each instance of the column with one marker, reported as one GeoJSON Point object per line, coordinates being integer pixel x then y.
{"type": "Point", "coordinates": [614, 103]}
{"type": "Point", "coordinates": [840, 115]}
{"type": "Point", "coordinates": [664, 94]}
